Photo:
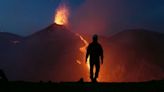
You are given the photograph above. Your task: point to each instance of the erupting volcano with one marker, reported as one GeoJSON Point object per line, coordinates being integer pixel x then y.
{"type": "Point", "coordinates": [61, 18]}
{"type": "Point", "coordinates": [115, 70]}
{"type": "Point", "coordinates": [57, 53]}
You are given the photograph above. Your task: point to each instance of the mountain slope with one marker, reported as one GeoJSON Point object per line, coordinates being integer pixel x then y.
{"type": "Point", "coordinates": [136, 55]}
{"type": "Point", "coordinates": [49, 54]}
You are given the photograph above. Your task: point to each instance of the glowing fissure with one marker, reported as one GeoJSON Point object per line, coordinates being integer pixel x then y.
{"type": "Point", "coordinates": [83, 49]}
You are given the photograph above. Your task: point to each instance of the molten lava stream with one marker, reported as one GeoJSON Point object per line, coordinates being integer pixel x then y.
{"type": "Point", "coordinates": [83, 49]}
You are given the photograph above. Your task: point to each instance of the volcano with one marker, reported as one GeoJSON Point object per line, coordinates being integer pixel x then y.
{"type": "Point", "coordinates": [54, 51]}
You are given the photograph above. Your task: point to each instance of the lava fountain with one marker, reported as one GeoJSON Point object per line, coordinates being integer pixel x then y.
{"type": "Point", "coordinates": [62, 15]}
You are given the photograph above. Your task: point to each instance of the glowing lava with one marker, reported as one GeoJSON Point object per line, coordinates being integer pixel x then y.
{"type": "Point", "coordinates": [83, 48]}
{"type": "Point", "coordinates": [62, 15]}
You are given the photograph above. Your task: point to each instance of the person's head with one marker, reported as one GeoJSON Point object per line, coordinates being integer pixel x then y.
{"type": "Point", "coordinates": [95, 38]}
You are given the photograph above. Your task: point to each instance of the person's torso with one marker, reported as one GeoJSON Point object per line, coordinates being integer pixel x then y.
{"type": "Point", "coordinates": [95, 51]}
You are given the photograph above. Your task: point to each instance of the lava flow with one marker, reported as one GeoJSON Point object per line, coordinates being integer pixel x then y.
{"type": "Point", "coordinates": [83, 48]}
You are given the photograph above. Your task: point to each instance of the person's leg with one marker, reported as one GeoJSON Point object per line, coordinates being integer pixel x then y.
{"type": "Point", "coordinates": [97, 70]}
{"type": "Point", "coordinates": [91, 71]}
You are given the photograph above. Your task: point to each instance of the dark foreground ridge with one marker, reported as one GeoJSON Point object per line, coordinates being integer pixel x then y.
{"type": "Point", "coordinates": [20, 86]}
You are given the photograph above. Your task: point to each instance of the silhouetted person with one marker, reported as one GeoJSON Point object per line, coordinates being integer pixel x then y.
{"type": "Point", "coordinates": [3, 76]}
{"type": "Point", "coordinates": [95, 51]}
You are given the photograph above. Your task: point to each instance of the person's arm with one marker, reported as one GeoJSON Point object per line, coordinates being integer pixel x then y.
{"type": "Point", "coordinates": [87, 54]}
{"type": "Point", "coordinates": [102, 55]}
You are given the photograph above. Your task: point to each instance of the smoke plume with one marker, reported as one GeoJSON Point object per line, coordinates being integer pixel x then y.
{"type": "Point", "coordinates": [96, 16]}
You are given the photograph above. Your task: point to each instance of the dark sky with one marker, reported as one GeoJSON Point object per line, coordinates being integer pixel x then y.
{"type": "Point", "coordinates": [24, 17]}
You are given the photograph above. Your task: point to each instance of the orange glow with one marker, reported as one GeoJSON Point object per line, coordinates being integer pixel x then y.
{"type": "Point", "coordinates": [83, 48]}
{"type": "Point", "coordinates": [77, 61]}
{"type": "Point", "coordinates": [61, 15]}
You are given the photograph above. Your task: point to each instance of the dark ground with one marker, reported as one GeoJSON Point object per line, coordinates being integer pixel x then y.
{"type": "Point", "coordinates": [20, 86]}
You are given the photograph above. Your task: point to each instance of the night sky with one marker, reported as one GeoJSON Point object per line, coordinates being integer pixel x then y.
{"type": "Point", "coordinates": [25, 17]}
